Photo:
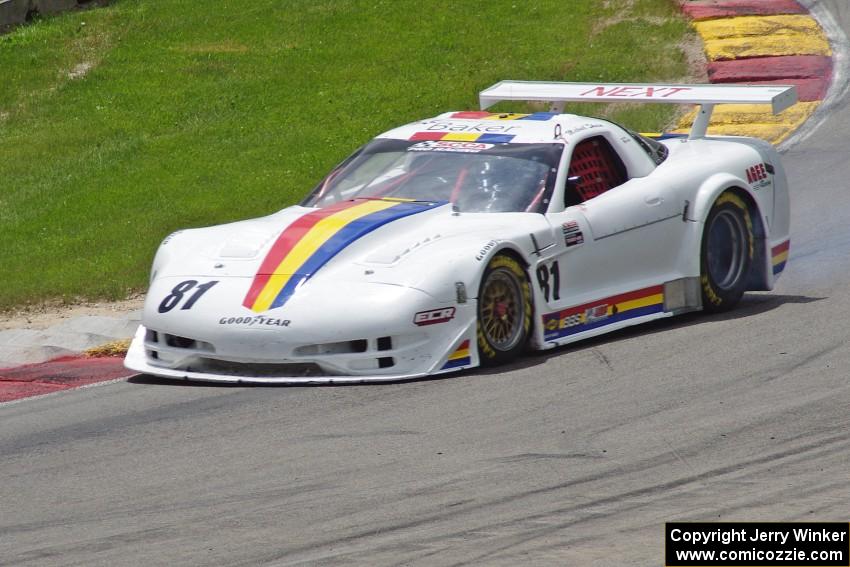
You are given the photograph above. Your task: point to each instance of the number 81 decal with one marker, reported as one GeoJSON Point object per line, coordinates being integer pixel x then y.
{"type": "Point", "coordinates": [545, 274]}
{"type": "Point", "coordinates": [178, 292]}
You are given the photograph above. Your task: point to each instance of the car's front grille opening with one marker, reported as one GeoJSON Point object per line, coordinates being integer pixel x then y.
{"type": "Point", "coordinates": [342, 347]}
{"type": "Point", "coordinates": [157, 341]}
{"type": "Point", "coordinates": [256, 369]}
{"type": "Point", "coordinates": [385, 343]}
{"type": "Point", "coordinates": [179, 342]}
{"type": "Point", "coordinates": [386, 362]}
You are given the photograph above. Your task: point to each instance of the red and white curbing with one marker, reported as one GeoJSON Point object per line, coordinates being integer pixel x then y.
{"type": "Point", "coordinates": [762, 42]}
{"type": "Point", "coordinates": [60, 374]}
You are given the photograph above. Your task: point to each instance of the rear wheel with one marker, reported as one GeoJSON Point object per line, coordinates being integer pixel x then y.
{"type": "Point", "coordinates": [504, 311]}
{"type": "Point", "coordinates": [727, 253]}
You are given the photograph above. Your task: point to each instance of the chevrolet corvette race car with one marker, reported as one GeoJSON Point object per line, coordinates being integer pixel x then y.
{"type": "Point", "coordinates": [464, 239]}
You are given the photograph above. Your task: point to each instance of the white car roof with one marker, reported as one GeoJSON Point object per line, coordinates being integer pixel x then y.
{"type": "Point", "coordinates": [496, 128]}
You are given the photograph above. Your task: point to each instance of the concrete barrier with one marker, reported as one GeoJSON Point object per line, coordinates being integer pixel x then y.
{"type": "Point", "coordinates": [53, 6]}
{"type": "Point", "coordinates": [16, 12]}
{"type": "Point", "coordinates": [13, 12]}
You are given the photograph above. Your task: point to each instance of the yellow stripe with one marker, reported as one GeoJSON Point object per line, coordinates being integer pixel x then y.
{"type": "Point", "coordinates": [752, 120]}
{"type": "Point", "coordinates": [309, 243]}
{"type": "Point", "coordinates": [508, 116]}
{"type": "Point", "coordinates": [461, 137]}
{"type": "Point", "coordinates": [754, 36]}
{"type": "Point", "coordinates": [638, 303]}
{"type": "Point", "coordinates": [779, 258]}
{"type": "Point", "coordinates": [459, 354]}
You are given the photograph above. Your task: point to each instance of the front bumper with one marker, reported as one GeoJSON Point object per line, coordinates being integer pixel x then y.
{"type": "Point", "coordinates": [264, 357]}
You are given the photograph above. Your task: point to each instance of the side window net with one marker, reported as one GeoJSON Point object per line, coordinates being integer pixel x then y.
{"type": "Point", "coordinates": [597, 168]}
{"type": "Point", "coordinates": [657, 152]}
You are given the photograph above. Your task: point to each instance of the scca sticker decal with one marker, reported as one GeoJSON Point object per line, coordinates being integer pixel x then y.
{"type": "Point", "coordinates": [446, 146]}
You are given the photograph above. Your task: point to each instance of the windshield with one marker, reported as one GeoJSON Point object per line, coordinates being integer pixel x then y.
{"type": "Point", "coordinates": [474, 176]}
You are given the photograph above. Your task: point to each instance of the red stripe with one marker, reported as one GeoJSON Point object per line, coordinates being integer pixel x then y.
{"type": "Point", "coordinates": [284, 244]}
{"type": "Point", "coordinates": [471, 114]}
{"type": "Point", "coordinates": [427, 136]}
{"type": "Point", "coordinates": [260, 281]}
{"type": "Point", "coordinates": [623, 297]}
{"type": "Point", "coordinates": [777, 250]}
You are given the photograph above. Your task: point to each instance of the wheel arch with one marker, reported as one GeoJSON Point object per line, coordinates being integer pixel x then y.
{"type": "Point", "coordinates": [760, 276]}
{"type": "Point", "coordinates": [489, 353]}
{"type": "Point", "coordinates": [510, 249]}
{"type": "Point", "coordinates": [507, 248]}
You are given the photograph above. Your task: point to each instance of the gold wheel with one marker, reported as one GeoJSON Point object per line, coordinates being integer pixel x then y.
{"type": "Point", "coordinates": [504, 310]}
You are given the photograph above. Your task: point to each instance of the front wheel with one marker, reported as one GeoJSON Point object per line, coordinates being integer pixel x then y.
{"type": "Point", "coordinates": [727, 253]}
{"type": "Point", "coordinates": [504, 311]}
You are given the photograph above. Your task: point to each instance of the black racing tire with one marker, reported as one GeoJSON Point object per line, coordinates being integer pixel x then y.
{"type": "Point", "coordinates": [504, 311]}
{"type": "Point", "coordinates": [727, 253]}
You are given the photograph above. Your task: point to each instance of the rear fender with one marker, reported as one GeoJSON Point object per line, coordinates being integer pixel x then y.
{"type": "Point", "coordinates": [711, 189]}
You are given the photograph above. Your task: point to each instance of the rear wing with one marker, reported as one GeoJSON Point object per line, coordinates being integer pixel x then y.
{"type": "Point", "coordinates": [779, 97]}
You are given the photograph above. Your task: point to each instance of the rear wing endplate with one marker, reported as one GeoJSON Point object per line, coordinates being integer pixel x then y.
{"type": "Point", "coordinates": [779, 97]}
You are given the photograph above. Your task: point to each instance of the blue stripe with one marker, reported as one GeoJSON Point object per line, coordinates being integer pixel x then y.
{"type": "Point", "coordinates": [625, 315]}
{"type": "Point", "coordinates": [542, 116]}
{"type": "Point", "coordinates": [778, 268]}
{"type": "Point", "coordinates": [455, 363]}
{"type": "Point", "coordinates": [345, 236]}
{"type": "Point", "coordinates": [666, 136]}
{"type": "Point", "coordinates": [495, 138]}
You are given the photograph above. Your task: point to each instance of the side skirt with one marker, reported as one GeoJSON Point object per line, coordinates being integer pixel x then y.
{"type": "Point", "coordinates": [619, 311]}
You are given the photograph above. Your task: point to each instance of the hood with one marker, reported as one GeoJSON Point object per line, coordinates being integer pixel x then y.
{"type": "Point", "coordinates": [312, 240]}
{"type": "Point", "coordinates": [383, 241]}
{"type": "Point", "coordinates": [282, 251]}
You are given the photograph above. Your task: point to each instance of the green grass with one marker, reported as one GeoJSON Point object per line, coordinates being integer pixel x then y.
{"type": "Point", "coordinates": [121, 124]}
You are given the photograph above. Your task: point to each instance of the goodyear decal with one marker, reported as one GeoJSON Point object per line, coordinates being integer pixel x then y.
{"type": "Point", "coordinates": [603, 312]}
{"type": "Point", "coordinates": [311, 241]}
{"type": "Point", "coordinates": [460, 357]}
{"type": "Point", "coordinates": [779, 256]}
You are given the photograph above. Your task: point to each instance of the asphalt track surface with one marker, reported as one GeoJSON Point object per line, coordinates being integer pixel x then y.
{"type": "Point", "coordinates": [576, 456]}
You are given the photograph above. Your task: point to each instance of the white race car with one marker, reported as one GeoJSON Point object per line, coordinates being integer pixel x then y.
{"type": "Point", "coordinates": [464, 239]}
